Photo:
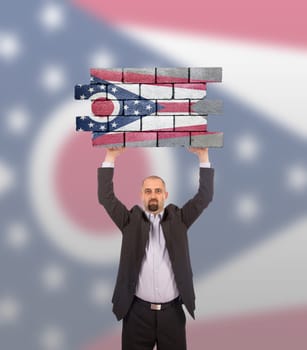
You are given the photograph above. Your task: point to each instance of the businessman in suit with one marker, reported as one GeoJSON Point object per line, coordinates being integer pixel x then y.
{"type": "Point", "coordinates": [154, 277]}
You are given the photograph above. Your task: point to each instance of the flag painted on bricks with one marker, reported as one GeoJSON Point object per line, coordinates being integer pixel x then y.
{"type": "Point", "coordinates": [153, 107]}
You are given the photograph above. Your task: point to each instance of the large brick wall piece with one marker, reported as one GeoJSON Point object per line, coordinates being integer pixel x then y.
{"type": "Point", "coordinates": [150, 107]}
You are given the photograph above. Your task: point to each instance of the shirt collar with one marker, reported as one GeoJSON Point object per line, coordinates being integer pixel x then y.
{"type": "Point", "coordinates": [149, 213]}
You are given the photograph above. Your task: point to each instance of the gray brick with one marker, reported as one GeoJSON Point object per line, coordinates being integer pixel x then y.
{"type": "Point", "coordinates": [172, 75]}
{"type": "Point", "coordinates": [205, 107]}
{"type": "Point", "coordinates": [203, 74]}
{"type": "Point", "coordinates": [207, 139]}
{"type": "Point", "coordinates": [171, 139]}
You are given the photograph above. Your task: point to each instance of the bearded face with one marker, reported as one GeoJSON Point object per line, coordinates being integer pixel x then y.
{"type": "Point", "coordinates": [153, 194]}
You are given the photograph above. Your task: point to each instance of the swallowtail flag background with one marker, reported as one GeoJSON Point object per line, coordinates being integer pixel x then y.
{"type": "Point", "coordinates": [59, 251]}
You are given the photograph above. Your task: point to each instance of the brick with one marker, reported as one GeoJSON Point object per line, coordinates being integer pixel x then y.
{"type": "Point", "coordinates": [108, 140]}
{"type": "Point", "coordinates": [203, 74]}
{"type": "Point", "coordinates": [153, 123]}
{"type": "Point", "coordinates": [193, 91]}
{"type": "Point", "coordinates": [205, 107]}
{"type": "Point", "coordinates": [139, 75]}
{"type": "Point", "coordinates": [172, 75]}
{"type": "Point", "coordinates": [140, 139]}
{"type": "Point", "coordinates": [179, 107]}
{"type": "Point", "coordinates": [101, 107]}
{"type": "Point", "coordinates": [171, 139]}
{"type": "Point", "coordinates": [139, 107]}
{"type": "Point", "coordinates": [102, 75]}
{"type": "Point", "coordinates": [127, 123]}
{"type": "Point", "coordinates": [86, 123]}
{"type": "Point", "coordinates": [85, 92]}
{"type": "Point", "coordinates": [123, 91]}
{"type": "Point", "coordinates": [207, 139]}
{"type": "Point", "coordinates": [190, 123]}
{"type": "Point", "coordinates": [162, 91]}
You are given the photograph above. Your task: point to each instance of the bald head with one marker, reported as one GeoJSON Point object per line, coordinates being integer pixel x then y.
{"type": "Point", "coordinates": [153, 194]}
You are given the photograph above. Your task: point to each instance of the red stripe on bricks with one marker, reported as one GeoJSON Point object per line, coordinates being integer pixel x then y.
{"type": "Point", "coordinates": [167, 79]}
{"type": "Point", "coordinates": [174, 107]}
{"type": "Point", "coordinates": [140, 136]}
{"type": "Point", "coordinates": [130, 77]}
{"type": "Point", "coordinates": [200, 86]}
{"type": "Point", "coordinates": [200, 128]}
{"type": "Point", "coordinates": [106, 139]}
{"type": "Point", "coordinates": [107, 74]}
{"type": "Point", "coordinates": [173, 134]}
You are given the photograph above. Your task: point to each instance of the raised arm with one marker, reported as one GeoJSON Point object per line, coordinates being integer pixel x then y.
{"type": "Point", "coordinates": [194, 207]}
{"type": "Point", "coordinates": [114, 207]}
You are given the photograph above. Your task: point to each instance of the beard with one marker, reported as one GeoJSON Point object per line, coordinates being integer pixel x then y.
{"type": "Point", "coordinates": [153, 205]}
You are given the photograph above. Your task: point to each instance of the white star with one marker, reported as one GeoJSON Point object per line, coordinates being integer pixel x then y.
{"type": "Point", "coordinates": [102, 58]}
{"type": "Point", "coordinates": [18, 120]}
{"type": "Point", "coordinates": [52, 338]}
{"type": "Point", "coordinates": [91, 90]}
{"type": "Point", "coordinates": [92, 79]}
{"type": "Point", "coordinates": [247, 148]}
{"type": "Point", "coordinates": [136, 112]}
{"type": "Point", "coordinates": [114, 125]}
{"type": "Point", "coordinates": [53, 277]}
{"type": "Point", "coordinates": [82, 97]}
{"type": "Point", "coordinates": [100, 292]}
{"type": "Point", "coordinates": [52, 16]}
{"type": "Point", "coordinates": [148, 107]}
{"type": "Point", "coordinates": [102, 127]}
{"type": "Point", "coordinates": [90, 124]}
{"type": "Point", "coordinates": [247, 208]}
{"type": "Point", "coordinates": [114, 89]}
{"type": "Point", "coordinates": [83, 117]}
{"type": "Point", "coordinates": [7, 178]}
{"type": "Point", "coordinates": [136, 102]}
{"type": "Point", "coordinates": [296, 178]}
{"type": "Point", "coordinates": [10, 46]}
{"type": "Point", "coordinates": [53, 78]}
{"type": "Point", "coordinates": [126, 107]}
{"type": "Point", "coordinates": [17, 235]}
{"type": "Point", "coordinates": [10, 310]}
{"type": "Point", "coordinates": [80, 129]}
{"type": "Point", "coordinates": [102, 87]}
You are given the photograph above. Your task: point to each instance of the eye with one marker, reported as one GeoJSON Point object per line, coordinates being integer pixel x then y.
{"type": "Point", "coordinates": [158, 190]}
{"type": "Point", "coordinates": [147, 191]}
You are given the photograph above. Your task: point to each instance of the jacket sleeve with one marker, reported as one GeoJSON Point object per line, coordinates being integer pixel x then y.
{"type": "Point", "coordinates": [194, 207]}
{"type": "Point", "coordinates": [114, 207]}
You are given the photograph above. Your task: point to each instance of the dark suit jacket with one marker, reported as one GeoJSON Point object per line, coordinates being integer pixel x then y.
{"type": "Point", "coordinates": [135, 229]}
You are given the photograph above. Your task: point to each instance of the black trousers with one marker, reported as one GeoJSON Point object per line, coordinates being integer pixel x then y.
{"type": "Point", "coordinates": [143, 328]}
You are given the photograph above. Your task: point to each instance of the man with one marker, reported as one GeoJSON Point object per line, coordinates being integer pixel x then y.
{"type": "Point", "coordinates": [154, 276]}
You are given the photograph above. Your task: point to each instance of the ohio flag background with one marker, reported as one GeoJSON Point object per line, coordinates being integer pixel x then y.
{"type": "Point", "coordinates": [59, 251]}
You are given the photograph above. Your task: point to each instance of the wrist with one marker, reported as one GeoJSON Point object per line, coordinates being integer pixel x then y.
{"type": "Point", "coordinates": [204, 158]}
{"type": "Point", "coordinates": [109, 159]}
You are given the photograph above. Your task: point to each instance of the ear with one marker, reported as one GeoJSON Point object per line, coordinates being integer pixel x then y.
{"type": "Point", "coordinates": [166, 195]}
